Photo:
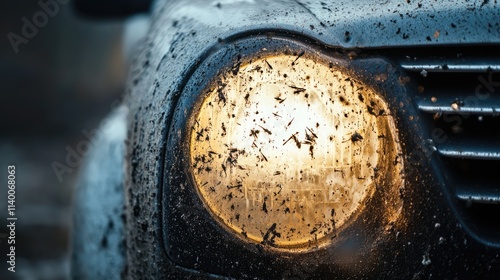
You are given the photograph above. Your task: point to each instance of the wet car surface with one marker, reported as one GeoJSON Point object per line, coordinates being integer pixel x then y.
{"type": "Point", "coordinates": [379, 141]}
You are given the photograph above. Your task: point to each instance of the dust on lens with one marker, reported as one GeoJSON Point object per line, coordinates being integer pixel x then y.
{"type": "Point", "coordinates": [284, 149]}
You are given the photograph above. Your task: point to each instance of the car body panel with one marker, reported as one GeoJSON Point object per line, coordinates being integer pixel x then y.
{"type": "Point", "coordinates": [185, 34]}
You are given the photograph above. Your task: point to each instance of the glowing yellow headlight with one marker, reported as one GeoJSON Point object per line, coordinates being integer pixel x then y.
{"type": "Point", "coordinates": [284, 150]}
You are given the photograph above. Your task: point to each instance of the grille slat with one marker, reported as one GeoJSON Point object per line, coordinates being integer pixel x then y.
{"type": "Point", "coordinates": [453, 65]}
{"type": "Point", "coordinates": [470, 150]}
{"type": "Point", "coordinates": [447, 102]}
{"type": "Point", "coordinates": [479, 193]}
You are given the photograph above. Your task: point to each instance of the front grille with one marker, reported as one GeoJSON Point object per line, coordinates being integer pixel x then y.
{"type": "Point", "coordinates": [458, 92]}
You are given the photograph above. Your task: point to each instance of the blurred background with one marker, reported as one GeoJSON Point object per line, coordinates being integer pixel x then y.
{"type": "Point", "coordinates": [62, 81]}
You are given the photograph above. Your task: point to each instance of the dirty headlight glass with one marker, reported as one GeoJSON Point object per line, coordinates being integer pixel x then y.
{"type": "Point", "coordinates": [284, 150]}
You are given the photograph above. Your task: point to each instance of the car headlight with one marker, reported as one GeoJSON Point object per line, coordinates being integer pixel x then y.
{"type": "Point", "coordinates": [286, 149]}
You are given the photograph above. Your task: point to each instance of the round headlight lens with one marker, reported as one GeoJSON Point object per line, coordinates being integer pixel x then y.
{"type": "Point", "coordinates": [285, 150]}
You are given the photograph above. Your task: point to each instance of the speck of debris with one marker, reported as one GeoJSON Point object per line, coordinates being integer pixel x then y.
{"type": "Point", "coordinates": [347, 36]}
{"type": "Point", "coordinates": [104, 242]}
{"type": "Point", "coordinates": [403, 80]}
{"type": "Point", "coordinates": [270, 234]}
{"type": "Point", "coordinates": [299, 55]}
{"type": "Point", "coordinates": [355, 137]}
{"type": "Point", "coordinates": [426, 260]}
{"type": "Point", "coordinates": [437, 116]}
